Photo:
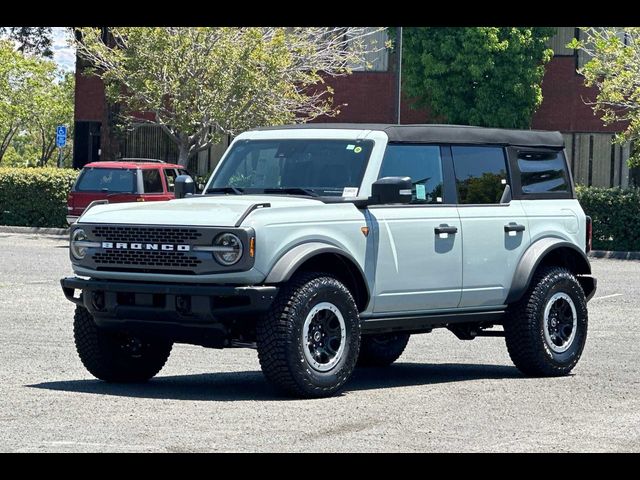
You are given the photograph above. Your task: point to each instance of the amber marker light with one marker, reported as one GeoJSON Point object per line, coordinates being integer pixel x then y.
{"type": "Point", "coordinates": [252, 247]}
{"type": "Point", "coordinates": [365, 231]}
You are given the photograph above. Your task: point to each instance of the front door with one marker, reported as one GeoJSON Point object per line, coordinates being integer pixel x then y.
{"type": "Point", "coordinates": [495, 230]}
{"type": "Point", "coordinates": [419, 256]}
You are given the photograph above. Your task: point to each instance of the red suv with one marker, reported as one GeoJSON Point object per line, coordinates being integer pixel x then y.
{"type": "Point", "coordinates": [126, 180]}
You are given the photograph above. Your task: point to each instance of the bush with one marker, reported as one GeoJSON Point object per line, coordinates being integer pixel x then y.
{"type": "Point", "coordinates": [35, 197]}
{"type": "Point", "coordinates": [616, 217]}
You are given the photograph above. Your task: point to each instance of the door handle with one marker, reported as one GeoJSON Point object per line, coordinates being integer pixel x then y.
{"type": "Point", "coordinates": [513, 227]}
{"type": "Point", "coordinates": [445, 229]}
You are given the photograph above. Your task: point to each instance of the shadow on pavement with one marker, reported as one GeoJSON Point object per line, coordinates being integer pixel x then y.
{"type": "Point", "coordinates": [251, 385]}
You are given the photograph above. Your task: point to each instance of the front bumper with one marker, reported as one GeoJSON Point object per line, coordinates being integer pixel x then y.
{"type": "Point", "coordinates": [167, 302]}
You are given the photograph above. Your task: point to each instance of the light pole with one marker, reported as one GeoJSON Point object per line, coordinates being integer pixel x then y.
{"type": "Point", "coordinates": [399, 88]}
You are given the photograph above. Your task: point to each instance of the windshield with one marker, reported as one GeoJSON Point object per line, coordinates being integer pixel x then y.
{"type": "Point", "coordinates": [300, 167]}
{"type": "Point", "coordinates": [117, 180]}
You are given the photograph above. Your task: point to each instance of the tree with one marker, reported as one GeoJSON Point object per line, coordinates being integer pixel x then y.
{"type": "Point", "coordinates": [614, 69]}
{"type": "Point", "coordinates": [34, 40]}
{"type": "Point", "coordinates": [34, 98]}
{"type": "Point", "coordinates": [197, 83]}
{"type": "Point", "coordinates": [53, 106]}
{"type": "Point", "coordinates": [487, 76]}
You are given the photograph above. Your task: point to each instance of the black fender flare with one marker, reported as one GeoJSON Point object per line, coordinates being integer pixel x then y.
{"type": "Point", "coordinates": [289, 263]}
{"type": "Point", "coordinates": [531, 259]}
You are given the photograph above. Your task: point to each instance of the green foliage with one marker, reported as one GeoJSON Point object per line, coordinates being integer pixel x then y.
{"type": "Point", "coordinates": [487, 76]}
{"type": "Point", "coordinates": [614, 69]}
{"type": "Point", "coordinates": [616, 216]}
{"type": "Point", "coordinates": [199, 82]}
{"type": "Point", "coordinates": [33, 40]}
{"type": "Point", "coordinates": [34, 98]}
{"type": "Point", "coordinates": [35, 197]}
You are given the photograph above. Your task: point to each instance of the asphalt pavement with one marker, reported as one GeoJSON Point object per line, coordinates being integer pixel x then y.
{"type": "Point", "coordinates": [442, 395]}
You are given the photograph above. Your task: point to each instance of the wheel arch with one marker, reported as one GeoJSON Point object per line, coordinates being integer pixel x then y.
{"type": "Point", "coordinates": [551, 251]}
{"type": "Point", "coordinates": [323, 257]}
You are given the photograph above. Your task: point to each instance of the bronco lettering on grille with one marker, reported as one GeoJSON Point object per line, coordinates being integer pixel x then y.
{"type": "Point", "coordinates": [165, 247]}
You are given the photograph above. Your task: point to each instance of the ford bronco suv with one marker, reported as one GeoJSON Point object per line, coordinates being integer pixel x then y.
{"type": "Point", "coordinates": [326, 246]}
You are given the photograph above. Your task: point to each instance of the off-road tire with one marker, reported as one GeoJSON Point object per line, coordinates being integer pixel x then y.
{"type": "Point", "coordinates": [280, 337]}
{"type": "Point", "coordinates": [103, 355]}
{"type": "Point", "coordinates": [524, 327]}
{"type": "Point", "coordinates": [381, 350]}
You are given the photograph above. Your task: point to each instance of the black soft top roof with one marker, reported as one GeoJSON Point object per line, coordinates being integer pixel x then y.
{"type": "Point", "coordinates": [457, 134]}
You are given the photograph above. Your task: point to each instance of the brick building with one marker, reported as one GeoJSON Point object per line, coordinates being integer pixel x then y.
{"type": "Point", "coordinates": [370, 95]}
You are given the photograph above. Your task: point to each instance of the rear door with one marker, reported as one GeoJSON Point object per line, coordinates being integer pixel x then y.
{"type": "Point", "coordinates": [495, 233]}
{"type": "Point", "coordinates": [154, 185]}
{"type": "Point", "coordinates": [418, 265]}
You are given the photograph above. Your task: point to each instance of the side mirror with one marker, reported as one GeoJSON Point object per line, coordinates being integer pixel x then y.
{"type": "Point", "coordinates": [184, 186]}
{"type": "Point", "coordinates": [389, 190]}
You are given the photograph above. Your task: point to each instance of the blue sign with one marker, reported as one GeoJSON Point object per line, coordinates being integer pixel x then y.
{"type": "Point", "coordinates": [61, 136]}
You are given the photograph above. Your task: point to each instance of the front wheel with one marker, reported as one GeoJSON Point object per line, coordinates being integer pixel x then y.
{"type": "Point", "coordinates": [547, 328]}
{"type": "Point", "coordinates": [308, 342]}
{"type": "Point", "coordinates": [115, 356]}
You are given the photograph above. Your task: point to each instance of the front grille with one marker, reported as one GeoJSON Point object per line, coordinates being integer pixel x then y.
{"type": "Point", "coordinates": [146, 234]}
{"type": "Point", "coordinates": [144, 258]}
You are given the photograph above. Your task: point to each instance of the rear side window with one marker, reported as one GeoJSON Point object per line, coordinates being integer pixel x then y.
{"type": "Point", "coordinates": [543, 172]}
{"type": "Point", "coordinates": [151, 181]}
{"type": "Point", "coordinates": [420, 162]}
{"type": "Point", "coordinates": [170, 177]}
{"type": "Point", "coordinates": [481, 174]}
{"type": "Point", "coordinates": [112, 180]}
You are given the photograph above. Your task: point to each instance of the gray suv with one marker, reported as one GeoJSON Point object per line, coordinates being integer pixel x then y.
{"type": "Point", "coordinates": [326, 246]}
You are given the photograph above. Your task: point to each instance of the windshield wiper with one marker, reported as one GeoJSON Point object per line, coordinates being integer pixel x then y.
{"type": "Point", "coordinates": [292, 190]}
{"type": "Point", "coordinates": [234, 190]}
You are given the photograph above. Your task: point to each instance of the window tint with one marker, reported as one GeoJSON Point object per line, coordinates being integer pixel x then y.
{"type": "Point", "coordinates": [543, 172]}
{"type": "Point", "coordinates": [116, 180]}
{"type": "Point", "coordinates": [170, 176]}
{"type": "Point", "coordinates": [481, 174]}
{"type": "Point", "coordinates": [420, 162]}
{"type": "Point", "coordinates": [151, 181]}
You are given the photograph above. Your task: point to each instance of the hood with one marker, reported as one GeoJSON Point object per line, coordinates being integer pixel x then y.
{"type": "Point", "coordinates": [211, 211]}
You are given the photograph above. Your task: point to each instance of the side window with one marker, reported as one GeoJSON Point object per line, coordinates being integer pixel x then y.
{"type": "Point", "coordinates": [481, 174]}
{"type": "Point", "coordinates": [420, 162]}
{"type": "Point", "coordinates": [170, 176]}
{"type": "Point", "coordinates": [151, 181]}
{"type": "Point", "coordinates": [543, 172]}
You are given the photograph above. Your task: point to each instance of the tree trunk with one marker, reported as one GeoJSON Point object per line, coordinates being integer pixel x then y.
{"type": "Point", "coordinates": [183, 157]}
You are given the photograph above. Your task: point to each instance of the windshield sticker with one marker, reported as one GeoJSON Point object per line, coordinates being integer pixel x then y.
{"type": "Point", "coordinates": [350, 192]}
{"type": "Point", "coordinates": [350, 147]}
{"type": "Point", "coordinates": [421, 192]}
{"type": "Point", "coordinates": [357, 149]}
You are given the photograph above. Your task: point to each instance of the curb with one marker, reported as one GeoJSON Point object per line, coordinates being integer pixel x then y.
{"type": "Point", "coordinates": [58, 232]}
{"type": "Point", "coordinates": [615, 255]}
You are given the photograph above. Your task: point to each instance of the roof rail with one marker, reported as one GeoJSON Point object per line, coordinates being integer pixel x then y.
{"type": "Point", "coordinates": [139, 160]}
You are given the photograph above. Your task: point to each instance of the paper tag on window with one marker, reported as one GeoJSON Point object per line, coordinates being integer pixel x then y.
{"type": "Point", "coordinates": [350, 192]}
{"type": "Point", "coordinates": [439, 199]}
{"type": "Point", "coordinates": [421, 192]}
{"type": "Point", "coordinates": [350, 147]}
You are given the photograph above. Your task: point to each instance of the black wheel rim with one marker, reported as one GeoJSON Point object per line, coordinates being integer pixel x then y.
{"type": "Point", "coordinates": [323, 337]}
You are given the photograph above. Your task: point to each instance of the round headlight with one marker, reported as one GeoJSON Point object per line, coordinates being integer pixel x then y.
{"type": "Point", "coordinates": [228, 249]}
{"type": "Point", "coordinates": [77, 251]}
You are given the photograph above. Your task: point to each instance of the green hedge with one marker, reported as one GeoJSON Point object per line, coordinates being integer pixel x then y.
{"type": "Point", "coordinates": [616, 217]}
{"type": "Point", "coordinates": [35, 197]}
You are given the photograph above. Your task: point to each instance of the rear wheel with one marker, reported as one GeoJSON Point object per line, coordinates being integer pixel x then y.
{"type": "Point", "coordinates": [308, 342]}
{"type": "Point", "coordinates": [115, 356]}
{"type": "Point", "coordinates": [547, 329]}
{"type": "Point", "coordinates": [382, 350]}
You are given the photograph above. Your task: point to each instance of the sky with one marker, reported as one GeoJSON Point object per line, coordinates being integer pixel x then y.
{"type": "Point", "coordinates": [63, 55]}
